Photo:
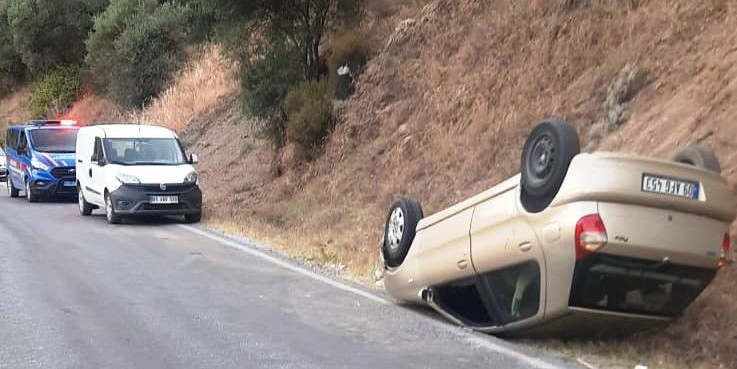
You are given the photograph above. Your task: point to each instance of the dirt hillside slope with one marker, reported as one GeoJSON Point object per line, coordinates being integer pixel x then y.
{"type": "Point", "coordinates": [446, 102]}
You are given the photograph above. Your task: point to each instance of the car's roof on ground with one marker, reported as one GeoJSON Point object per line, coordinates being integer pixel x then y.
{"type": "Point", "coordinates": [120, 130]}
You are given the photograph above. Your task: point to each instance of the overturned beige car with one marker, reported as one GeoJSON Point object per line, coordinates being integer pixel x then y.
{"type": "Point", "coordinates": [577, 244]}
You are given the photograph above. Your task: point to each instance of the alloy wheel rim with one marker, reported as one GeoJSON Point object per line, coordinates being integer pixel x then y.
{"type": "Point", "coordinates": [109, 208]}
{"type": "Point", "coordinates": [396, 229]}
{"type": "Point", "coordinates": [80, 199]}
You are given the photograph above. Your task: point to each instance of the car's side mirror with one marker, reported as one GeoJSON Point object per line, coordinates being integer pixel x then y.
{"type": "Point", "coordinates": [193, 159]}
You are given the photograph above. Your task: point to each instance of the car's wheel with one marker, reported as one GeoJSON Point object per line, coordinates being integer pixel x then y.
{"type": "Point", "coordinates": [547, 153]}
{"type": "Point", "coordinates": [12, 191]}
{"type": "Point", "coordinates": [85, 209]}
{"type": "Point", "coordinates": [112, 218]}
{"type": "Point", "coordinates": [399, 232]}
{"type": "Point", "coordinates": [698, 156]}
{"type": "Point", "coordinates": [193, 218]}
{"type": "Point", "coordinates": [29, 195]}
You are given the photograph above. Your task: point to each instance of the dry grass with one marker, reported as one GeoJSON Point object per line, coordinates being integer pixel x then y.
{"type": "Point", "coordinates": [209, 78]}
{"type": "Point", "coordinates": [15, 108]}
{"type": "Point", "coordinates": [441, 113]}
{"type": "Point", "coordinates": [94, 109]}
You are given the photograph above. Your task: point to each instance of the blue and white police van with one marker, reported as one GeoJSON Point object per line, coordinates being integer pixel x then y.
{"type": "Point", "coordinates": [41, 159]}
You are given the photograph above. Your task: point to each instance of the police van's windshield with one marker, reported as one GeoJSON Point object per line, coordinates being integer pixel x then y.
{"type": "Point", "coordinates": [54, 140]}
{"type": "Point", "coordinates": [144, 151]}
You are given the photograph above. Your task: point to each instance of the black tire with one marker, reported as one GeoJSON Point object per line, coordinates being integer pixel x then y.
{"type": "Point", "coordinates": [193, 218]}
{"type": "Point", "coordinates": [85, 208]}
{"type": "Point", "coordinates": [112, 218]}
{"type": "Point", "coordinates": [12, 191]}
{"type": "Point", "coordinates": [29, 194]}
{"type": "Point", "coordinates": [399, 230]}
{"type": "Point", "coordinates": [700, 157]}
{"type": "Point", "coordinates": [546, 156]}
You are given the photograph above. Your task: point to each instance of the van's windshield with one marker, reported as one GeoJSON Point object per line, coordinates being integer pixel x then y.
{"type": "Point", "coordinates": [144, 151]}
{"type": "Point", "coordinates": [54, 140]}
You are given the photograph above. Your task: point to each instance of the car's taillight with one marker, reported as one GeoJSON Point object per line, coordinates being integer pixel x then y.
{"type": "Point", "coordinates": [590, 235]}
{"type": "Point", "coordinates": [726, 245]}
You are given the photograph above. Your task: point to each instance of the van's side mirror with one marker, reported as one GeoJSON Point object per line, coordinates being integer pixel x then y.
{"type": "Point", "coordinates": [193, 159]}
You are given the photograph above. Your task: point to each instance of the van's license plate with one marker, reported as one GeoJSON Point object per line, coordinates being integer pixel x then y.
{"type": "Point", "coordinates": [670, 186]}
{"type": "Point", "coordinates": [159, 200]}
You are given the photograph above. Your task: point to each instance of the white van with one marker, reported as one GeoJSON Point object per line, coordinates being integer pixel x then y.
{"type": "Point", "coordinates": [129, 170]}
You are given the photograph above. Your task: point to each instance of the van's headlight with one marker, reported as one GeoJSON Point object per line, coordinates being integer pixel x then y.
{"type": "Point", "coordinates": [127, 179]}
{"type": "Point", "coordinates": [191, 178]}
{"type": "Point", "coordinates": [38, 165]}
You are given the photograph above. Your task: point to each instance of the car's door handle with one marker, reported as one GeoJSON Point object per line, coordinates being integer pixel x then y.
{"type": "Point", "coordinates": [79, 161]}
{"type": "Point", "coordinates": [462, 264]}
{"type": "Point", "coordinates": [525, 246]}
{"type": "Point", "coordinates": [90, 172]}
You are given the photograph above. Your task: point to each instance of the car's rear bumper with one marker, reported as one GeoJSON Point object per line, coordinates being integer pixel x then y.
{"type": "Point", "coordinates": [135, 200]}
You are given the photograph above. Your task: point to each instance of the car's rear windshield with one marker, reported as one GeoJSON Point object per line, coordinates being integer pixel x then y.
{"type": "Point", "coordinates": [628, 285]}
{"type": "Point", "coordinates": [54, 140]}
{"type": "Point", "coordinates": [144, 151]}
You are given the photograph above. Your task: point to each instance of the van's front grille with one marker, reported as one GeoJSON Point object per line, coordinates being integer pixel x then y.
{"type": "Point", "coordinates": [168, 187]}
{"type": "Point", "coordinates": [158, 207]}
{"type": "Point", "coordinates": [64, 172]}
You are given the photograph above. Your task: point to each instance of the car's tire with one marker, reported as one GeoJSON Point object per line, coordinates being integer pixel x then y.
{"type": "Point", "coordinates": [112, 218]}
{"type": "Point", "coordinates": [85, 208]}
{"type": "Point", "coordinates": [29, 194]}
{"type": "Point", "coordinates": [700, 157]}
{"type": "Point", "coordinates": [546, 156]}
{"type": "Point", "coordinates": [193, 218]}
{"type": "Point", "coordinates": [399, 231]}
{"type": "Point", "coordinates": [12, 191]}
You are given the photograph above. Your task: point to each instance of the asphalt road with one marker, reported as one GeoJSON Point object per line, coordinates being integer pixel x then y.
{"type": "Point", "coordinates": [78, 293]}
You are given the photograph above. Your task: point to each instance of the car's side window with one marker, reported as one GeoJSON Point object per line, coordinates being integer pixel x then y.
{"type": "Point", "coordinates": [97, 154]}
{"type": "Point", "coordinates": [23, 143]}
{"type": "Point", "coordinates": [515, 291]}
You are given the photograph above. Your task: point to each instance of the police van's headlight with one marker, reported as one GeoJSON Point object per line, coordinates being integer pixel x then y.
{"type": "Point", "coordinates": [38, 165]}
{"type": "Point", "coordinates": [127, 179]}
{"type": "Point", "coordinates": [191, 178]}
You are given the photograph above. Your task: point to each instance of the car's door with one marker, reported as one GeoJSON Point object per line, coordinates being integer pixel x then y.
{"type": "Point", "coordinates": [508, 259]}
{"type": "Point", "coordinates": [96, 174]}
{"type": "Point", "coordinates": [23, 160]}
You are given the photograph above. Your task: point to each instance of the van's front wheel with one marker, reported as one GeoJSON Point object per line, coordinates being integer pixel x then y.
{"type": "Point", "coordinates": [112, 218]}
{"type": "Point", "coordinates": [29, 194]}
{"type": "Point", "coordinates": [85, 209]}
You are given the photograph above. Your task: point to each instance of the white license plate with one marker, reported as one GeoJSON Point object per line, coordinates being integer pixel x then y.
{"type": "Point", "coordinates": [70, 184]}
{"type": "Point", "coordinates": [670, 186]}
{"type": "Point", "coordinates": [163, 200]}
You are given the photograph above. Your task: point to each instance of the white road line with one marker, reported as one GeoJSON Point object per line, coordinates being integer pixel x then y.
{"type": "Point", "coordinates": [469, 337]}
{"type": "Point", "coordinates": [285, 264]}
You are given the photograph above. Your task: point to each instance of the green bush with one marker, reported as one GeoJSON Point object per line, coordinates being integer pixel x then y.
{"type": "Point", "coordinates": [51, 33]}
{"type": "Point", "coordinates": [55, 91]}
{"type": "Point", "coordinates": [309, 114]}
{"type": "Point", "coordinates": [12, 69]}
{"type": "Point", "coordinates": [135, 47]}
{"type": "Point", "coordinates": [149, 51]}
{"type": "Point", "coordinates": [266, 82]}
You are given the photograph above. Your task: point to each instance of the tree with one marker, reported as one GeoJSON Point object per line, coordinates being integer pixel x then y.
{"type": "Point", "coordinates": [134, 48]}
{"type": "Point", "coordinates": [12, 70]}
{"type": "Point", "coordinates": [51, 33]}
